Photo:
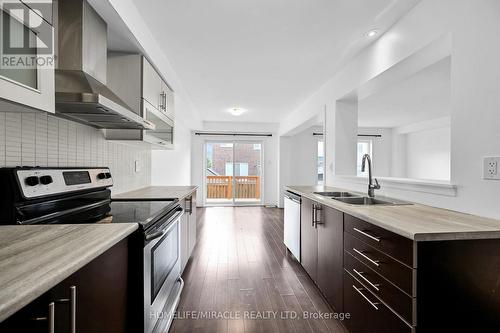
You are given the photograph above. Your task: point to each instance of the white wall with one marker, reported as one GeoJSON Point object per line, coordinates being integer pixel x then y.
{"type": "Point", "coordinates": [475, 93]}
{"type": "Point", "coordinates": [271, 153]}
{"type": "Point", "coordinates": [173, 167]}
{"type": "Point", "coordinates": [398, 155]}
{"type": "Point", "coordinates": [419, 154]}
{"type": "Point", "coordinates": [381, 149]}
{"type": "Point", "coordinates": [303, 157]}
{"type": "Point", "coordinates": [39, 139]}
{"type": "Point", "coordinates": [298, 159]}
{"type": "Point", "coordinates": [428, 154]}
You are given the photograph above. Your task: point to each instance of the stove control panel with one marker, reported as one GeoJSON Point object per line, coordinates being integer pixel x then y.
{"type": "Point", "coordinates": [40, 182]}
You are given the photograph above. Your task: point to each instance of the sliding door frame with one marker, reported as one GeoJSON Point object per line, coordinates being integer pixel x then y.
{"type": "Point", "coordinates": [234, 203]}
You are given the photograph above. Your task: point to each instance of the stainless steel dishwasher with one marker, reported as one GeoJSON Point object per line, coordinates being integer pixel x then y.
{"type": "Point", "coordinates": [291, 226]}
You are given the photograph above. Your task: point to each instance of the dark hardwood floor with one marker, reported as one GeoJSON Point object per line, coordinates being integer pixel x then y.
{"type": "Point", "coordinates": [240, 273]}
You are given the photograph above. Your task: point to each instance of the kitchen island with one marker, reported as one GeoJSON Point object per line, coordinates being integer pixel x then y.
{"type": "Point", "coordinates": [414, 221]}
{"type": "Point", "coordinates": [403, 267]}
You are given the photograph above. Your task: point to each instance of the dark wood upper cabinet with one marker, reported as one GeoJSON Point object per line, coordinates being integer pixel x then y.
{"type": "Point", "coordinates": [330, 255]}
{"type": "Point", "coordinates": [308, 239]}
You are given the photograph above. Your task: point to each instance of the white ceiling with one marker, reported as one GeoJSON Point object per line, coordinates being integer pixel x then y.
{"type": "Point", "coordinates": [421, 97]}
{"type": "Point", "coordinates": [266, 56]}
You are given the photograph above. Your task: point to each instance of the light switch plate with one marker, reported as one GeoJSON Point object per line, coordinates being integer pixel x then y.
{"type": "Point", "coordinates": [491, 167]}
{"type": "Point", "coordinates": [137, 166]}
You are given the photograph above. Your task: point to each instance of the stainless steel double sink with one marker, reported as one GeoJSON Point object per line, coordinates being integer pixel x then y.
{"type": "Point", "coordinates": [361, 200]}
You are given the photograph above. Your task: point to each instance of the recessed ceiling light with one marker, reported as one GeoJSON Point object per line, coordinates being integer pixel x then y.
{"type": "Point", "coordinates": [372, 33]}
{"type": "Point", "coordinates": [236, 111]}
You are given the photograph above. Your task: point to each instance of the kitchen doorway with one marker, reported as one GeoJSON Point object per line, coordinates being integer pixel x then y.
{"type": "Point", "coordinates": [233, 173]}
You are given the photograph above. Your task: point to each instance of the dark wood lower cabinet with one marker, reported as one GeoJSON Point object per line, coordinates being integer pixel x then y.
{"type": "Point", "coordinates": [99, 292]}
{"type": "Point", "coordinates": [322, 249]}
{"type": "Point", "coordinates": [459, 286]}
{"type": "Point", "coordinates": [367, 313]}
{"type": "Point", "coordinates": [330, 256]}
{"type": "Point", "coordinates": [308, 239]}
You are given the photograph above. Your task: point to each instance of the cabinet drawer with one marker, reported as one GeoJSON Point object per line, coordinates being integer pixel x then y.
{"type": "Point", "coordinates": [396, 246]}
{"type": "Point", "coordinates": [386, 291]}
{"type": "Point", "coordinates": [368, 314]}
{"type": "Point", "coordinates": [391, 269]}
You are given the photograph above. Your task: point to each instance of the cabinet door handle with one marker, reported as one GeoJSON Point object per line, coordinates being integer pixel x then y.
{"type": "Point", "coordinates": [313, 214]}
{"type": "Point", "coordinates": [360, 291]}
{"type": "Point", "coordinates": [375, 262]}
{"type": "Point", "coordinates": [360, 274]}
{"type": "Point", "coordinates": [72, 298]}
{"type": "Point", "coordinates": [377, 239]}
{"type": "Point", "coordinates": [52, 317]}
{"type": "Point", "coordinates": [72, 303]}
{"type": "Point", "coordinates": [189, 209]}
{"type": "Point", "coordinates": [162, 99]}
{"type": "Point", "coordinates": [318, 219]}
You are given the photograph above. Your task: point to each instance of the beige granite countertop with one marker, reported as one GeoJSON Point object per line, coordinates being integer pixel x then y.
{"type": "Point", "coordinates": [158, 192]}
{"type": "Point", "coordinates": [35, 258]}
{"type": "Point", "coordinates": [416, 222]}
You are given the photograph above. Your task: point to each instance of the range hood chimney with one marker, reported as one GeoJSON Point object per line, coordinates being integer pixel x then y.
{"type": "Point", "coordinates": [80, 78]}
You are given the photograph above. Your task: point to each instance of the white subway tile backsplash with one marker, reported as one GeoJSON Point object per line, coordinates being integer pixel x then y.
{"type": "Point", "coordinates": [63, 143]}
{"type": "Point", "coordinates": [72, 143]}
{"type": "Point", "coordinates": [53, 142]}
{"type": "Point", "coordinates": [39, 139]}
{"type": "Point", "coordinates": [13, 139]}
{"type": "Point", "coordinates": [2, 139]}
{"type": "Point", "coordinates": [28, 124]}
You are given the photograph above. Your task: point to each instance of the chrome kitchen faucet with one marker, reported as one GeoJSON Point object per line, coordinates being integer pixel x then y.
{"type": "Point", "coordinates": [371, 187]}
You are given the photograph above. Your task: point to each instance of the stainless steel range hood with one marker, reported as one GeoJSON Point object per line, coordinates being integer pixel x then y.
{"type": "Point", "coordinates": [80, 77]}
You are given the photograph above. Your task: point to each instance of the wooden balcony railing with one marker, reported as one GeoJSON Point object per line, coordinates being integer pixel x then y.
{"type": "Point", "coordinates": [221, 187]}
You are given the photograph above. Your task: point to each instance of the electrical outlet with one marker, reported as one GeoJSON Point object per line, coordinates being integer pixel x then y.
{"type": "Point", "coordinates": [490, 168]}
{"type": "Point", "coordinates": [137, 166]}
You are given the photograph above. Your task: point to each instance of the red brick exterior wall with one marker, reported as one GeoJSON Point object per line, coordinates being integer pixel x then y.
{"type": "Point", "coordinates": [244, 153]}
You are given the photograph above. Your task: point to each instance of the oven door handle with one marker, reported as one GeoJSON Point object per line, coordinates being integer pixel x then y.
{"type": "Point", "coordinates": [155, 235]}
{"type": "Point", "coordinates": [169, 225]}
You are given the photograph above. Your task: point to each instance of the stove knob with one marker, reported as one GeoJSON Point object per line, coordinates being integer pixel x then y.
{"type": "Point", "coordinates": [46, 180]}
{"type": "Point", "coordinates": [108, 175]}
{"type": "Point", "coordinates": [101, 175]}
{"type": "Point", "coordinates": [32, 181]}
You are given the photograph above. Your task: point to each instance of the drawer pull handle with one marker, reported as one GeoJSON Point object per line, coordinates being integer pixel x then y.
{"type": "Point", "coordinates": [359, 290]}
{"type": "Point", "coordinates": [73, 309]}
{"type": "Point", "coordinates": [375, 262]}
{"type": "Point", "coordinates": [360, 274]}
{"type": "Point", "coordinates": [52, 316]}
{"type": "Point", "coordinates": [377, 239]}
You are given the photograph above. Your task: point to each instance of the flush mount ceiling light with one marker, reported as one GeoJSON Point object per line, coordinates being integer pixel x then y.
{"type": "Point", "coordinates": [236, 111]}
{"type": "Point", "coordinates": [372, 33]}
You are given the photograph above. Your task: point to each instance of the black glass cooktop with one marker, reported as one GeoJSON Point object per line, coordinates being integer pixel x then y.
{"type": "Point", "coordinates": [142, 212]}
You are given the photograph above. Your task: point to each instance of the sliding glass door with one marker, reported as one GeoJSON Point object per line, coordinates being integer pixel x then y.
{"type": "Point", "coordinates": [233, 172]}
